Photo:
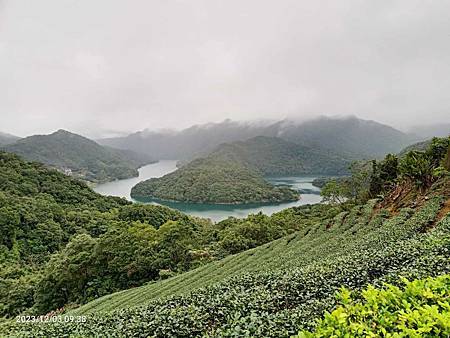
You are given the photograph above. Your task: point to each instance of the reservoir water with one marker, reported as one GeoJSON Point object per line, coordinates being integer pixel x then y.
{"type": "Point", "coordinates": [122, 188]}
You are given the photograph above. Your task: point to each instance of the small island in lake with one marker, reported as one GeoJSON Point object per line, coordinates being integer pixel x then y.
{"type": "Point", "coordinates": [211, 180]}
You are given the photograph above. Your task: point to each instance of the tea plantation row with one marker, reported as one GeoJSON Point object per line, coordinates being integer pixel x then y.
{"type": "Point", "coordinates": [274, 290]}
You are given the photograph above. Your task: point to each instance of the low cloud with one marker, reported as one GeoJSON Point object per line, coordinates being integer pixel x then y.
{"type": "Point", "coordinates": [103, 66]}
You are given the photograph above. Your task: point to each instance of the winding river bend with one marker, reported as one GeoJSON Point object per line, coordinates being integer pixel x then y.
{"type": "Point", "coordinates": [122, 188]}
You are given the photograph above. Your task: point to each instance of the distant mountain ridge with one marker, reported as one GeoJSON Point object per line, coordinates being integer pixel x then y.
{"type": "Point", "coordinates": [348, 136]}
{"type": "Point", "coordinates": [190, 142]}
{"type": "Point", "coordinates": [79, 156]}
{"type": "Point", "coordinates": [6, 138]}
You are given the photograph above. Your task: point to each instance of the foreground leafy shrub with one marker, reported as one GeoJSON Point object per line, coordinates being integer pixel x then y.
{"type": "Point", "coordinates": [419, 309]}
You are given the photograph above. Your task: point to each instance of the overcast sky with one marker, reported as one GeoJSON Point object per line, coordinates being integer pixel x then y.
{"type": "Point", "coordinates": [105, 66]}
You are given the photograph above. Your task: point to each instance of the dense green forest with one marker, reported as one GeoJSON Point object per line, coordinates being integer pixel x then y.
{"type": "Point", "coordinates": [213, 180]}
{"type": "Point", "coordinates": [83, 157]}
{"type": "Point", "coordinates": [388, 219]}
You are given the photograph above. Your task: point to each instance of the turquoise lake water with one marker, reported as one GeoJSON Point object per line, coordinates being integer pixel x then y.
{"type": "Point", "coordinates": [122, 188]}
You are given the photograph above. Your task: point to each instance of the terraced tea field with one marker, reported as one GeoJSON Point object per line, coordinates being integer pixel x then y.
{"type": "Point", "coordinates": [314, 243]}
{"type": "Point", "coordinates": [278, 288]}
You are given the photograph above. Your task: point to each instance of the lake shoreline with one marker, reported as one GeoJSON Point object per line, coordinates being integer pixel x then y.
{"type": "Point", "coordinates": [143, 199]}
{"type": "Point", "coordinates": [215, 212]}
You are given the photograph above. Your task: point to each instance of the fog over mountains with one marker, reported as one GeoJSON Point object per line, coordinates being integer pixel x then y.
{"type": "Point", "coordinates": [76, 66]}
{"type": "Point", "coordinates": [350, 136]}
{"type": "Point", "coordinates": [431, 130]}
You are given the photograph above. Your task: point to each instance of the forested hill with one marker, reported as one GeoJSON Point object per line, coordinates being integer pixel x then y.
{"type": "Point", "coordinates": [7, 138]}
{"type": "Point", "coordinates": [350, 136]}
{"type": "Point", "coordinates": [29, 180]}
{"type": "Point", "coordinates": [213, 180]}
{"type": "Point", "coordinates": [83, 157]}
{"type": "Point", "coordinates": [275, 156]}
{"type": "Point", "coordinates": [43, 211]}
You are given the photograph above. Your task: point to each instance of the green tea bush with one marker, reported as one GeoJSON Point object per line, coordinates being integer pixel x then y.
{"type": "Point", "coordinates": [420, 308]}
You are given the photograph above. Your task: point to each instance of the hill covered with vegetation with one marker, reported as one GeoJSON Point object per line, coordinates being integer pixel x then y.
{"type": "Point", "coordinates": [44, 215]}
{"type": "Point", "coordinates": [280, 288]}
{"type": "Point", "coordinates": [213, 180]}
{"type": "Point", "coordinates": [79, 156]}
{"type": "Point", "coordinates": [394, 222]}
{"type": "Point", "coordinates": [273, 156]}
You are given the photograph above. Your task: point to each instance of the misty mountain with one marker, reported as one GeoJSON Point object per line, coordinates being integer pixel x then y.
{"type": "Point", "coordinates": [79, 156]}
{"type": "Point", "coordinates": [431, 130]}
{"type": "Point", "coordinates": [350, 136]}
{"type": "Point", "coordinates": [7, 138]}
{"type": "Point", "coordinates": [191, 142]}
{"type": "Point", "coordinates": [275, 156]}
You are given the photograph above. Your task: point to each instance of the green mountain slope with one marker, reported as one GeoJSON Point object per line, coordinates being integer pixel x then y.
{"type": "Point", "coordinates": [79, 156]}
{"type": "Point", "coordinates": [213, 180]}
{"type": "Point", "coordinates": [281, 287]}
{"type": "Point", "coordinates": [275, 156]}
